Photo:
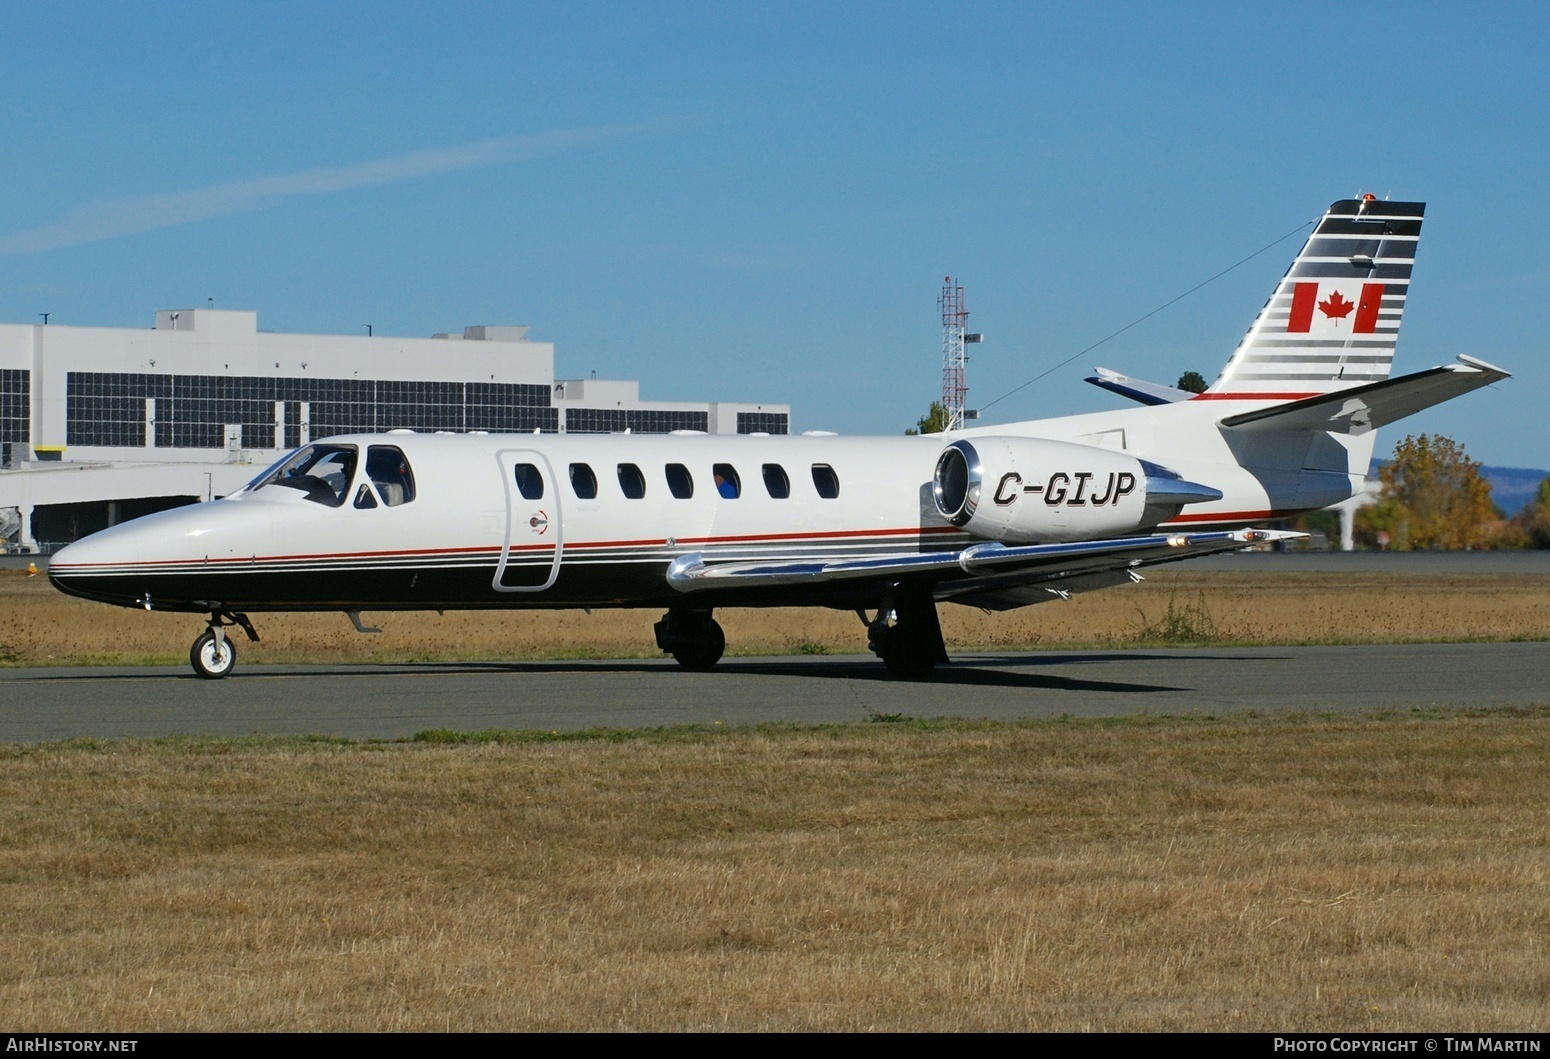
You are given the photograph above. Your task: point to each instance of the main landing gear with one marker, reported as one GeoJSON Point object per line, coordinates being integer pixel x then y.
{"type": "Point", "coordinates": [692, 637]}
{"type": "Point", "coordinates": [213, 655]}
{"type": "Point", "coordinates": [907, 635]}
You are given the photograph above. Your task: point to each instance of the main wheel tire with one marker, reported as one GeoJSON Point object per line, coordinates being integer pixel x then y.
{"type": "Point", "coordinates": [704, 650]}
{"type": "Point", "coordinates": [905, 657]}
{"type": "Point", "coordinates": [210, 660]}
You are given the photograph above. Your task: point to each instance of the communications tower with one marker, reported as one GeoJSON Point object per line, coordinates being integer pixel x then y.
{"type": "Point", "coordinates": [955, 387]}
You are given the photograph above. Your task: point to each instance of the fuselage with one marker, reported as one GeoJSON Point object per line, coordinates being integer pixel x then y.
{"type": "Point", "coordinates": [595, 520]}
{"type": "Point", "coordinates": [1261, 477]}
{"type": "Point", "coordinates": [603, 518]}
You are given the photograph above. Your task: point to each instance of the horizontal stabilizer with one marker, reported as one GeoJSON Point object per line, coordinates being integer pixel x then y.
{"type": "Point", "coordinates": [1365, 408]}
{"type": "Point", "coordinates": [988, 566]}
{"type": "Point", "coordinates": [1137, 389]}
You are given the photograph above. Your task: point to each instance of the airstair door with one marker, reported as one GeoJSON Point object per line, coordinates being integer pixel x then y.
{"type": "Point", "coordinates": [531, 551]}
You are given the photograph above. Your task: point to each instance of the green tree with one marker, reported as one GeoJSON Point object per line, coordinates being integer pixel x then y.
{"type": "Point", "coordinates": [933, 422]}
{"type": "Point", "coordinates": [1433, 498]}
{"type": "Point", "coordinates": [1192, 381]}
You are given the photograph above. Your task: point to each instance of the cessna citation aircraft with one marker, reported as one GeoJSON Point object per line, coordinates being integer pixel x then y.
{"type": "Point", "coordinates": [993, 517]}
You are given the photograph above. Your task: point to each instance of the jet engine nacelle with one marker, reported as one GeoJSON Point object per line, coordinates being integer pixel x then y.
{"type": "Point", "coordinates": [1029, 490]}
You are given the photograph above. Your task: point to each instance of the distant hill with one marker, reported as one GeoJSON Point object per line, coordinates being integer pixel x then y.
{"type": "Point", "coordinates": [1511, 487]}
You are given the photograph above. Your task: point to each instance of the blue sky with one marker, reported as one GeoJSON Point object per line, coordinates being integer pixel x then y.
{"type": "Point", "coordinates": [759, 201]}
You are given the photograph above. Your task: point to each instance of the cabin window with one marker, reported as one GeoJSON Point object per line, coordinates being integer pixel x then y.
{"type": "Point", "coordinates": [530, 482]}
{"type": "Point", "coordinates": [679, 481]}
{"type": "Point", "coordinates": [631, 482]}
{"type": "Point", "coordinates": [728, 484]}
{"type": "Point", "coordinates": [389, 471]}
{"type": "Point", "coordinates": [826, 481]}
{"type": "Point", "coordinates": [322, 472]}
{"type": "Point", "coordinates": [776, 482]}
{"type": "Point", "coordinates": [583, 482]}
{"type": "Point", "coordinates": [365, 499]}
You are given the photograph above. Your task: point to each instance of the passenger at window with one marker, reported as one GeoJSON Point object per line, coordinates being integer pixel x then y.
{"type": "Point", "coordinates": [389, 471]}
{"type": "Point", "coordinates": [728, 484]}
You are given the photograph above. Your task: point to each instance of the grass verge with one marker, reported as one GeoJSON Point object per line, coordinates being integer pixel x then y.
{"type": "Point", "coordinates": [1240, 873]}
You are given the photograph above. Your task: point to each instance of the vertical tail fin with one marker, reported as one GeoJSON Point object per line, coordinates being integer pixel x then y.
{"type": "Point", "coordinates": [1334, 317]}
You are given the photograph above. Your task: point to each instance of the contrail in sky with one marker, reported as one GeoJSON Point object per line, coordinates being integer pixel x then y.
{"type": "Point", "coordinates": [111, 218]}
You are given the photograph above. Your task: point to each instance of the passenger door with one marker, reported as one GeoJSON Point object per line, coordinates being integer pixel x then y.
{"type": "Point", "coordinates": [530, 553]}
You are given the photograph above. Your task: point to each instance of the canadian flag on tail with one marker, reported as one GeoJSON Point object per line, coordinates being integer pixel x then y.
{"type": "Point", "coordinates": [1333, 307]}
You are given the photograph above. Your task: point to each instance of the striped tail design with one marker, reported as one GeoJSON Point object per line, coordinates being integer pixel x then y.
{"type": "Point", "coordinates": [1334, 318]}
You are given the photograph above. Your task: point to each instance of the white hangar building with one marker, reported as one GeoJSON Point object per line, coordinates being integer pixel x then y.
{"type": "Point", "coordinates": [102, 424]}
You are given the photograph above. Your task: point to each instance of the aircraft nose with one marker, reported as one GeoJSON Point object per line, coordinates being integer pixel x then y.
{"type": "Point", "coordinates": [118, 564]}
{"type": "Point", "coordinates": [102, 549]}
{"type": "Point", "coordinates": [96, 566]}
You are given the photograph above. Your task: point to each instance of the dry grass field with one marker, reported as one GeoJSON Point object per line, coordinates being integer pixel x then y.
{"type": "Point", "coordinates": [1216, 874]}
{"type": "Point", "coordinates": [39, 626]}
{"type": "Point", "coordinates": [1240, 874]}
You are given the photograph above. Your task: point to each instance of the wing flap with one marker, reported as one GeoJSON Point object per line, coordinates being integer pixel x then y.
{"type": "Point", "coordinates": [1364, 408]}
{"type": "Point", "coordinates": [1013, 596]}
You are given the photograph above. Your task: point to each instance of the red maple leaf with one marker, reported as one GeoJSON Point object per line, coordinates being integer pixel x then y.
{"type": "Point", "coordinates": [1336, 306]}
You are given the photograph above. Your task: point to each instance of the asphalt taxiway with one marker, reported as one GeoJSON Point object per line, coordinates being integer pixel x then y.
{"type": "Point", "coordinates": [396, 701]}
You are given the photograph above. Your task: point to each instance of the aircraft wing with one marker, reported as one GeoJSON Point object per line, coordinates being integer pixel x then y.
{"type": "Point", "coordinates": [1364, 408]}
{"type": "Point", "coordinates": [988, 574]}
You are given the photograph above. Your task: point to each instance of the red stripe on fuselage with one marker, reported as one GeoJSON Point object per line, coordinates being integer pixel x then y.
{"type": "Point", "coordinates": [492, 550]}
{"type": "Point", "coordinates": [913, 530]}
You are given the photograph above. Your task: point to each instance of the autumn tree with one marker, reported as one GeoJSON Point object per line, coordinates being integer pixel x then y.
{"type": "Point", "coordinates": [933, 422]}
{"type": "Point", "coordinates": [1193, 382]}
{"type": "Point", "coordinates": [1433, 498]}
{"type": "Point", "coordinates": [1534, 520]}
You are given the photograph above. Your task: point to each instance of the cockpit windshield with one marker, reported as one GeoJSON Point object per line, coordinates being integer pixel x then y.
{"type": "Point", "coordinates": [322, 472]}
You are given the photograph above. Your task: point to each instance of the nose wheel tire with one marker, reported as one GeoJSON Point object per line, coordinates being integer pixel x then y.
{"type": "Point", "coordinates": [213, 659]}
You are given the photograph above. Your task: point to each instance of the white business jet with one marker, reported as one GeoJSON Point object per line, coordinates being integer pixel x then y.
{"type": "Point", "coordinates": [996, 517]}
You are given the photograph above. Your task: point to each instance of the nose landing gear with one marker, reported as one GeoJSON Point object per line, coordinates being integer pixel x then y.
{"type": "Point", "coordinates": [213, 655]}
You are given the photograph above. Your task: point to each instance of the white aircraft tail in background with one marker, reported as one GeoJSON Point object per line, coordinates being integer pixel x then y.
{"type": "Point", "coordinates": [995, 516]}
{"type": "Point", "coordinates": [1334, 317]}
